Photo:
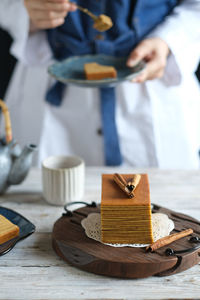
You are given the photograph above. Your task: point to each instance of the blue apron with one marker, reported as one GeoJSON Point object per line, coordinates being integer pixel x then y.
{"type": "Point", "coordinates": [133, 20]}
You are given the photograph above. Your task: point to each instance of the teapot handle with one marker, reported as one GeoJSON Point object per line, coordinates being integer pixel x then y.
{"type": "Point", "coordinates": [8, 128]}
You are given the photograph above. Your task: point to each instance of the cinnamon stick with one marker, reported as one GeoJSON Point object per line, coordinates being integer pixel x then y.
{"type": "Point", "coordinates": [121, 182]}
{"type": "Point", "coordinates": [134, 182]}
{"type": "Point", "coordinates": [168, 239]}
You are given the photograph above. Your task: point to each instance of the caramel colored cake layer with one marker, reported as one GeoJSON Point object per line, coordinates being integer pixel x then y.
{"type": "Point", "coordinates": [94, 71]}
{"type": "Point", "coordinates": [8, 230]}
{"type": "Point", "coordinates": [125, 220]}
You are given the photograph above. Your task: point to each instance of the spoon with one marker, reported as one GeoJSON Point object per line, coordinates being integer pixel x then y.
{"type": "Point", "coordinates": [101, 22]}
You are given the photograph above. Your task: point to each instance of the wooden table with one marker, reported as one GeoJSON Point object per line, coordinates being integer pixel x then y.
{"type": "Point", "coordinates": [33, 271]}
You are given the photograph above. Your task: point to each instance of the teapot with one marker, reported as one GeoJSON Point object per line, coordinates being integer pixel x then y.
{"type": "Point", "coordinates": [14, 161]}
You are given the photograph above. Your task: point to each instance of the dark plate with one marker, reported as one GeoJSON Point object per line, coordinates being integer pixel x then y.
{"type": "Point", "coordinates": [71, 70]}
{"type": "Point", "coordinates": [25, 226]}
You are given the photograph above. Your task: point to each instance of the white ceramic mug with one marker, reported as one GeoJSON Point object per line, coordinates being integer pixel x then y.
{"type": "Point", "coordinates": [63, 179]}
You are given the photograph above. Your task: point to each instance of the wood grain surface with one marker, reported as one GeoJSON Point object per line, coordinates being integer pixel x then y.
{"type": "Point", "coordinates": [32, 270]}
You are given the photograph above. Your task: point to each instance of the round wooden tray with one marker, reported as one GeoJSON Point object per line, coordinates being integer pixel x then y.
{"type": "Point", "coordinates": [72, 245]}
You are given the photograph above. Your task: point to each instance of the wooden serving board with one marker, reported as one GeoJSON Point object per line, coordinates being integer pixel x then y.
{"type": "Point", "coordinates": [72, 245]}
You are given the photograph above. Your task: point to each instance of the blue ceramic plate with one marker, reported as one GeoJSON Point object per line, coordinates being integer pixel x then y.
{"type": "Point", "coordinates": [25, 226]}
{"type": "Point", "coordinates": [70, 71]}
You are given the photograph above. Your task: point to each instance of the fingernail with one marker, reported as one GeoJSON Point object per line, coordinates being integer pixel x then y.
{"type": "Point", "coordinates": [70, 6]}
{"type": "Point", "coordinates": [132, 63]}
{"type": "Point", "coordinates": [138, 79]}
{"type": "Point", "coordinates": [66, 6]}
{"type": "Point", "coordinates": [135, 81]}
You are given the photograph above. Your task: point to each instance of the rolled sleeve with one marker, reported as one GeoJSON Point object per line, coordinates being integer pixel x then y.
{"type": "Point", "coordinates": [31, 49]}
{"type": "Point", "coordinates": [37, 50]}
{"type": "Point", "coordinates": [180, 31]}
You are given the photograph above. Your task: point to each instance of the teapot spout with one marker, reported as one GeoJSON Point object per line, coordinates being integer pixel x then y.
{"type": "Point", "coordinates": [21, 165]}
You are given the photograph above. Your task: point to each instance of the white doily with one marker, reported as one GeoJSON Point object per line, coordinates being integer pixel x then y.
{"type": "Point", "coordinates": [161, 226]}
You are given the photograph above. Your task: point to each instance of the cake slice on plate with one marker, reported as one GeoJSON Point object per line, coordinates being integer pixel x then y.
{"type": "Point", "coordinates": [8, 230]}
{"type": "Point", "coordinates": [95, 71]}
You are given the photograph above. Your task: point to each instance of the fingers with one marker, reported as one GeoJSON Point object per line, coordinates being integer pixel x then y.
{"type": "Point", "coordinates": [46, 14]}
{"type": "Point", "coordinates": [143, 50]}
{"type": "Point", "coordinates": [48, 19]}
{"type": "Point", "coordinates": [47, 24]}
{"type": "Point", "coordinates": [50, 5]}
{"type": "Point", "coordinates": [155, 52]}
{"type": "Point", "coordinates": [50, 15]}
{"type": "Point", "coordinates": [154, 69]}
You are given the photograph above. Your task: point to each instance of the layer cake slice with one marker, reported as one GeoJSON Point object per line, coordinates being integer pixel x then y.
{"type": "Point", "coordinates": [125, 220]}
{"type": "Point", "coordinates": [95, 71]}
{"type": "Point", "coordinates": [8, 230]}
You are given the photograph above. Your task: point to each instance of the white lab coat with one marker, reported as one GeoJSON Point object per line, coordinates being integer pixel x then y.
{"type": "Point", "coordinates": [163, 114]}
